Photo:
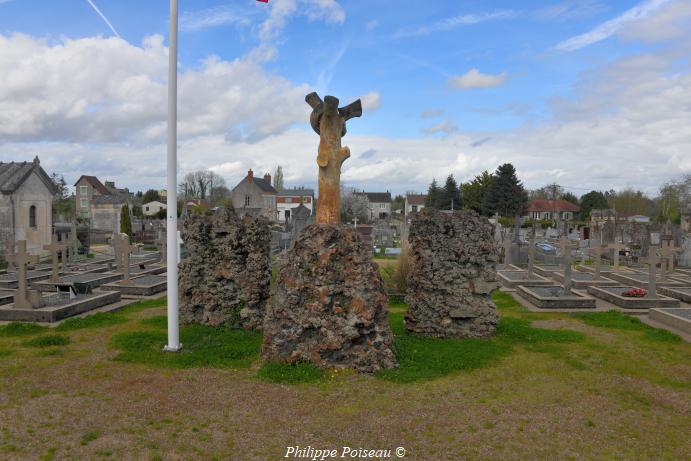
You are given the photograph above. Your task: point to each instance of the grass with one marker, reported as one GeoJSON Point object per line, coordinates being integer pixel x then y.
{"type": "Point", "coordinates": [157, 321]}
{"type": "Point", "coordinates": [21, 329]}
{"type": "Point", "coordinates": [48, 341]}
{"type": "Point", "coordinates": [98, 320]}
{"type": "Point", "coordinates": [282, 373]}
{"type": "Point", "coordinates": [618, 321]}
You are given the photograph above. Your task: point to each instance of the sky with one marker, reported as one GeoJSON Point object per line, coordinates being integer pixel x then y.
{"type": "Point", "coordinates": [586, 93]}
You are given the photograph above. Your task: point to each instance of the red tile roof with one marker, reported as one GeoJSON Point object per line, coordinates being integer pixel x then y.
{"type": "Point", "coordinates": [552, 205]}
{"type": "Point", "coordinates": [95, 183]}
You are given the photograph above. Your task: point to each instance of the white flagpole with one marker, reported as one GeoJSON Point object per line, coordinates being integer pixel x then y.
{"type": "Point", "coordinates": [172, 199]}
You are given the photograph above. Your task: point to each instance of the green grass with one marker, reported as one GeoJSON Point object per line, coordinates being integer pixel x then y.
{"type": "Point", "coordinates": [157, 321]}
{"type": "Point", "coordinates": [98, 320]}
{"type": "Point", "coordinates": [48, 341]}
{"type": "Point", "coordinates": [301, 372]}
{"type": "Point", "coordinates": [618, 321]}
{"type": "Point", "coordinates": [202, 346]}
{"type": "Point", "coordinates": [518, 331]}
{"type": "Point", "coordinates": [6, 352]}
{"type": "Point", "coordinates": [21, 329]}
{"type": "Point", "coordinates": [142, 306]}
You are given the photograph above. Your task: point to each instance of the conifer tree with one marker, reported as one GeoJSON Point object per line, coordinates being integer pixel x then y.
{"type": "Point", "coordinates": [506, 194]}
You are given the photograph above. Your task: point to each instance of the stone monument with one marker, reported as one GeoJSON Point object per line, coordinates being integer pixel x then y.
{"type": "Point", "coordinates": [329, 306]}
{"type": "Point", "coordinates": [122, 249]}
{"type": "Point", "coordinates": [225, 278]}
{"type": "Point", "coordinates": [453, 259]}
{"type": "Point", "coordinates": [57, 250]}
{"type": "Point", "coordinates": [24, 298]}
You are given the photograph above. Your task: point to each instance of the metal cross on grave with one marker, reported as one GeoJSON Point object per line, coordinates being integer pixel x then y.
{"type": "Point", "coordinates": [596, 252]}
{"type": "Point", "coordinates": [652, 260]}
{"type": "Point", "coordinates": [21, 295]}
{"type": "Point", "coordinates": [566, 262]}
{"type": "Point", "coordinates": [123, 248]}
{"type": "Point", "coordinates": [56, 247]}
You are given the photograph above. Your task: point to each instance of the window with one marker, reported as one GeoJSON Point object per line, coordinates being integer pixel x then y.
{"type": "Point", "coordinates": [32, 216]}
{"type": "Point", "coordinates": [414, 208]}
{"type": "Point", "coordinates": [289, 199]}
{"type": "Point", "coordinates": [84, 203]}
{"type": "Point", "coordinates": [147, 209]}
{"type": "Point", "coordinates": [382, 206]}
{"type": "Point", "coordinates": [247, 200]}
{"type": "Point", "coordinates": [83, 190]}
{"type": "Point", "coordinates": [287, 214]}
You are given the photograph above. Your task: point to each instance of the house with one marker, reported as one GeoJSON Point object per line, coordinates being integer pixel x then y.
{"type": "Point", "coordinates": [152, 208]}
{"type": "Point", "coordinates": [106, 210]}
{"type": "Point", "coordinates": [288, 200]}
{"type": "Point", "coordinates": [379, 204]}
{"type": "Point", "coordinates": [26, 205]}
{"type": "Point", "coordinates": [255, 196]}
{"type": "Point", "coordinates": [559, 210]}
{"type": "Point", "coordinates": [598, 217]}
{"type": "Point", "coordinates": [414, 203]}
{"type": "Point", "coordinates": [86, 189]}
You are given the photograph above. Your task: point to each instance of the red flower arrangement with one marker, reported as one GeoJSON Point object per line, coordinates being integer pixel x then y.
{"type": "Point", "coordinates": [635, 293]}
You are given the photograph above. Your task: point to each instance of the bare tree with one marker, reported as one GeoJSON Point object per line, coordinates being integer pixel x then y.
{"type": "Point", "coordinates": [200, 184]}
{"type": "Point", "coordinates": [353, 206]}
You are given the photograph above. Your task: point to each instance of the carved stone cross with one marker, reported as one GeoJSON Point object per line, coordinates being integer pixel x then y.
{"type": "Point", "coordinates": [56, 248]}
{"type": "Point", "coordinates": [328, 121]}
{"type": "Point", "coordinates": [531, 253]}
{"type": "Point", "coordinates": [123, 248]}
{"type": "Point", "coordinates": [162, 243]}
{"type": "Point", "coordinates": [668, 251]}
{"type": "Point", "coordinates": [616, 246]}
{"type": "Point", "coordinates": [596, 251]}
{"type": "Point", "coordinates": [23, 299]}
{"type": "Point", "coordinates": [652, 260]}
{"type": "Point", "coordinates": [507, 246]}
{"type": "Point", "coordinates": [566, 262]}
{"type": "Point", "coordinates": [9, 250]}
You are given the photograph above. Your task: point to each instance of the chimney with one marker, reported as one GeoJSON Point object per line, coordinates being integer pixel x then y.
{"type": "Point", "coordinates": [250, 175]}
{"type": "Point", "coordinates": [267, 178]}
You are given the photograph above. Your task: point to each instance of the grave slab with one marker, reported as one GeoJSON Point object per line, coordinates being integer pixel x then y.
{"type": "Point", "coordinates": [642, 280]}
{"type": "Point", "coordinates": [145, 285]}
{"type": "Point", "coordinates": [511, 279]}
{"type": "Point", "coordinates": [614, 296]}
{"type": "Point", "coordinates": [679, 319]}
{"type": "Point", "coordinates": [681, 293]}
{"type": "Point", "coordinates": [555, 298]}
{"type": "Point", "coordinates": [6, 297]}
{"type": "Point", "coordinates": [82, 283]}
{"type": "Point", "coordinates": [60, 309]}
{"type": "Point", "coordinates": [582, 280]}
{"type": "Point", "coordinates": [546, 270]}
{"type": "Point", "coordinates": [11, 280]}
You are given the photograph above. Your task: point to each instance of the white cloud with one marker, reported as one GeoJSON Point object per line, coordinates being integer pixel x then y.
{"type": "Point", "coordinates": [670, 22]}
{"type": "Point", "coordinates": [453, 22]}
{"type": "Point", "coordinates": [609, 28]}
{"type": "Point", "coordinates": [445, 127]}
{"type": "Point", "coordinates": [371, 25]}
{"type": "Point", "coordinates": [571, 9]}
{"type": "Point", "coordinates": [475, 79]}
{"type": "Point", "coordinates": [210, 17]}
{"type": "Point", "coordinates": [280, 11]}
{"type": "Point", "coordinates": [370, 101]}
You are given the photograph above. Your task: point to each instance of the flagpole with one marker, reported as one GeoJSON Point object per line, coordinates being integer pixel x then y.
{"type": "Point", "coordinates": [174, 344]}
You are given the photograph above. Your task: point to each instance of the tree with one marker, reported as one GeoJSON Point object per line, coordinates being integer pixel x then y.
{"type": "Point", "coordinates": [125, 221]}
{"type": "Point", "coordinates": [569, 197]}
{"type": "Point", "coordinates": [593, 200]}
{"type": "Point", "coordinates": [199, 184]}
{"type": "Point", "coordinates": [675, 197]}
{"type": "Point", "coordinates": [398, 203]}
{"type": "Point", "coordinates": [63, 204]}
{"type": "Point", "coordinates": [61, 192]}
{"type": "Point", "coordinates": [474, 192]}
{"type": "Point", "coordinates": [151, 195]}
{"type": "Point", "coordinates": [219, 194]}
{"type": "Point", "coordinates": [450, 196]}
{"type": "Point", "coordinates": [630, 201]}
{"type": "Point", "coordinates": [549, 192]}
{"type": "Point", "coordinates": [433, 195]}
{"type": "Point", "coordinates": [353, 206]}
{"type": "Point", "coordinates": [278, 179]}
{"type": "Point", "coordinates": [505, 194]}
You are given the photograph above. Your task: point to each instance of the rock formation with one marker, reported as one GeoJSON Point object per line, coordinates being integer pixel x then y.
{"type": "Point", "coordinates": [225, 279]}
{"type": "Point", "coordinates": [452, 274]}
{"type": "Point", "coordinates": [329, 305]}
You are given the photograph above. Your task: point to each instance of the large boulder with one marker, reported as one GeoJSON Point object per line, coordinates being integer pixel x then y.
{"type": "Point", "coordinates": [225, 279]}
{"type": "Point", "coordinates": [329, 306]}
{"type": "Point", "coordinates": [452, 274]}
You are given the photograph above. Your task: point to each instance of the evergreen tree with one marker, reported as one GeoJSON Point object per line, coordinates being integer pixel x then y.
{"type": "Point", "coordinates": [151, 195]}
{"type": "Point", "coordinates": [474, 192]}
{"type": "Point", "coordinates": [278, 179]}
{"type": "Point", "coordinates": [126, 221]}
{"type": "Point", "coordinates": [593, 200]}
{"type": "Point", "coordinates": [506, 194]}
{"type": "Point", "coordinates": [433, 195]}
{"type": "Point", "coordinates": [450, 195]}
{"type": "Point", "coordinates": [569, 197]}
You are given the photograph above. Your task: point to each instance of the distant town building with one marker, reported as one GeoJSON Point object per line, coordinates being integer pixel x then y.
{"type": "Point", "coordinates": [414, 203]}
{"type": "Point", "coordinates": [26, 205]}
{"type": "Point", "coordinates": [255, 196]}
{"type": "Point", "coordinates": [101, 203]}
{"type": "Point", "coordinates": [288, 200]}
{"type": "Point", "coordinates": [152, 208]}
{"type": "Point", "coordinates": [552, 209]}
{"type": "Point", "coordinates": [598, 217]}
{"type": "Point", "coordinates": [86, 189]}
{"type": "Point", "coordinates": [379, 204]}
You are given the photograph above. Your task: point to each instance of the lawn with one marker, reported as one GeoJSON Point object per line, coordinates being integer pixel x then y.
{"type": "Point", "coordinates": [547, 386]}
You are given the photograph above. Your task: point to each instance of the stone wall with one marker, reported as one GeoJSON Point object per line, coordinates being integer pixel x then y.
{"type": "Point", "coordinates": [225, 279]}
{"type": "Point", "coordinates": [453, 258]}
{"type": "Point", "coordinates": [329, 306]}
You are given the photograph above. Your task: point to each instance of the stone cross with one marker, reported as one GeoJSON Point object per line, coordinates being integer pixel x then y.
{"type": "Point", "coordinates": [9, 251]}
{"type": "Point", "coordinates": [596, 251]}
{"type": "Point", "coordinates": [329, 122]}
{"type": "Point", "coordinates": [531, 253]}
{"type": "Point", "coordinates": [74, 243]}
{"type": "Point", "coordinates": [653, 259]}
{"type": "Point", "coordinates": [23, 299]}
{"type": "Point", "coordinates": [668, 251]}
{"type": "Point", "coordinates": [566, 262]}
{"type": "Point", "coordinates": [123, 248]}
{"type": "Point", "coordinates": [616, 246]}
{"type": "Point", "coordinates": [162, 243]}
{"type": "Point", "coordinates": [507, 247]}
{"type": "Point", "coordinates": [55, 249]}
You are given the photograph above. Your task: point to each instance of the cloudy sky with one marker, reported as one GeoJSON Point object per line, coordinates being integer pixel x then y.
{"type": "Point", "coordinates": [587, 93]}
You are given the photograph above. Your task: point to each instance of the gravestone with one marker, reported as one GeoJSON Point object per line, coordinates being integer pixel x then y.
{"type": "Point", "coordinates": [329, 306]}
{"type": "Point", "coordinates": [123, 248]}
{"type": "Point", "coordinates": [226, 276]}
{"type": "Point", "coordinates": [668, 253]}
{"type": "Point", "coordinates": [596, 252]}
{"type": "Point", "coordinates": [23, 297]}
{"type": "Point", "coordinates": [452, 258]}
{"type": "Point", "coordinates": [507, 248]}
{"type": "Point", "coordinates": [56, 249]}
{"type": "Point", "coordinates": [531, 254]}
{"type": "Point", "coordinates": [617, 247]}
{"type": "Point", "coordinates": [652, 260]}
{"type": "Point", "coordinates": [162, 244]}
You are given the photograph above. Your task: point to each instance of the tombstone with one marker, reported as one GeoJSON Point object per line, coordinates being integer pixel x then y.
{"type": "Point", "coordinates": [162, 244]}
{"type": "Point", "coordinates": [74, 243]}
{"type": "Point", "coordinates": [616, 246]}
{"type": "Point", "coordinates": [56, 248]}
{"type": "Point", "coordinates": [123, 248]}
{"type": "Point", "coordinates": [23, 297]}
{"type": "Point", "coordinates": [596, 251]}
{"type": "Point", "coordinates": [566, 262]}
{"type": "Point", "coordinates": [9, 251]}
{"type": "Point", "coordinates": [531, 253]}
{"type": "Point", "coordinates": [300, 217]}
{"type": "Point", "coordinates": [507, 248]}
{"type": "Point", "coordinates": [668, 252]}
{"type": "Point", "coordinates": [653, 259]}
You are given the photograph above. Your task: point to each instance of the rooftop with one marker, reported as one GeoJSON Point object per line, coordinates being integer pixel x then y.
{"type": "Point", "coordinates": [552, 205]}
{"type": "Point", "coordinates": [13, 175]}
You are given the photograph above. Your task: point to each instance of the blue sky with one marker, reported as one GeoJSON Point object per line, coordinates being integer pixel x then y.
{"type": "Point", "coordinates": [564, 90]}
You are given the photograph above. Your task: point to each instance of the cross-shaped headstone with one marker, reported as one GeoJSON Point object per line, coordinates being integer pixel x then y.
{"type": "Point", "coordinates": [531, 253]}
{"type": "Point", "coordinates": [668, 252]}
{"type": "Point", "coordinates": [162, 244]}
{"type": "Point", "coordinates": [507, 247]}
{"type": "Point", "coordinates": [653, 259]}
{"type": "Point", "coordinates": [21, 259]}
{"type": "Point", "coordinates": [566, 262]}
{"type": "Point", "coordinates": [73, 245]}
{"type": "Point", "coordinates": [123, 248]}
{"type": "Point", "coordinates": [9, 251]}
{"type": "Point", "coordinates": [56, 248]}
{"type": "Point", "coordinates": [596, 252]}
{"type": "Point", "coordinates": [616, 246]}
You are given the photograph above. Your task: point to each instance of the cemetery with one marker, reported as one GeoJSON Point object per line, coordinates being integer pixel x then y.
{"type": "Point", "coordinates": [321, 312]}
